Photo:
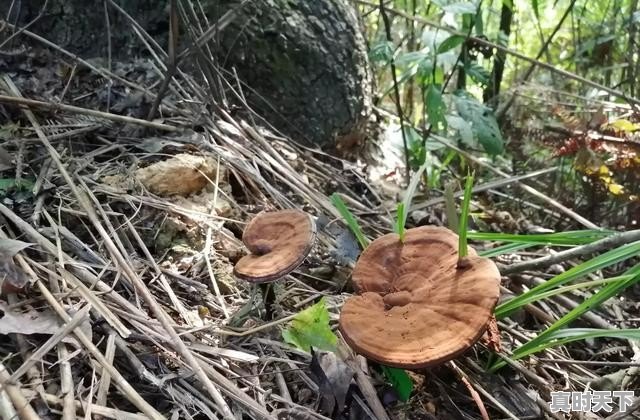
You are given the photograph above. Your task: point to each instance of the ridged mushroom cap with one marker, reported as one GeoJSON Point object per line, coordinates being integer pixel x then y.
{"type": "Point", "coordinates": [279, 241]}
{"type": "Point", "coordinates": [415, 307]}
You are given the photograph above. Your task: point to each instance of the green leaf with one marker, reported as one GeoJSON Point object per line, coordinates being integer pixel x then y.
{"type": "Point", "coordinates": [614, 286]}
{"type": "Point", "coordinates": [381, 52]}
{"type": "Point", "coordinates": [483, 122]}
{"type": "Point", "coordinates": [310, 328]}
{"type": "Point", "coordinates": [436, 108]}
{"type": "Point", "coordinates": [463, 128]}
{"type": "Point", "coordinates": [8, 184]}
{"type": "Point", "coordinates": [536, 8]}
{"type": "Point", "coordinates": [400, 381]}
{"type": "Point", "coordinates": [477, 73]}
{"type": "Point", "coordinates": [349, 219]}
{"type": "Point", "coordinates": [450, 43]}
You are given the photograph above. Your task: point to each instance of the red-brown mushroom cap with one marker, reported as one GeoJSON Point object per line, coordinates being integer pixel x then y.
{"type": "Point", "coordinates": [279, 242]}
{"type": "Point", "coordinates": [416, 308]}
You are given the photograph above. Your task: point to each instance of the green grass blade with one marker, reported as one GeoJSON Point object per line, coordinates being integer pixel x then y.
{"type": "Point", "coordinates": [401, 219]}
{"type": "Point", "coordinates": [570, 238]}
{"type": "Point", "coordinates": [601, 261]}
{"type": "Point", "coordinates": [464, 217]}
{"type": "Point", "coordinates": [568, 335]}
{"type": "Point", "coordinates": [349, 219]}
{"type": "Point", "coordinates": [613, 288]}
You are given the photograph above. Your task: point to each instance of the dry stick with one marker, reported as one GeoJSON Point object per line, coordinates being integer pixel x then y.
{"type": "Point", "coordinates": [508, 51]}
{"type": "Point", "coordinates": [120, 381]}
{"type": "Point", "coordinates": [20, 403]}
{"type": "Point", "coordinates": [363, 381]}
{"type": "Point", "coordinates": [474, 394]}
{"type": "Point", "coordinates": [610, 242]}
{"type": "Point", "coordinates": [7, 410]}
{"type": "Point", "coordinates": [20, 101]}
{"type": "Point", "coordinates": [161, 277]}
{"type": "Point", "coordinates": [208, 245]}
{"type": "Point", "coordinates": [396, 91]}
{"type": "Point", "coordinates": [66, 384]}
{"type": "Point", "coordinates": [96, 409]}
{"type": "Point", "coordinates": [105, 378]}
{"type": "Point", "coordinates": [65, 330]}
{"type": "Point", "coordinates": [33, 373]}
{"type": "Point", "coordinates": [157, 310]}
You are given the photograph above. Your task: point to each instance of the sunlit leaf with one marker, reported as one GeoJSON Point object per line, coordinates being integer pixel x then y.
{"type": "Point", "coordinates": [450, 43]}
{"type": "Point", "coordinates": [310, 328]}
{"type": "Point", "coordinates": [615, 189]}
{"type": "Point", "coordinates": [623, 125]}
{"type": "Point", "coordinates": [478, 73]}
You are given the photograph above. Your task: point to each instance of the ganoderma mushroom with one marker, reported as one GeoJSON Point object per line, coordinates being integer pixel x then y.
{"type": "Point", "coordinates": [279, 241]}
{"type": "Point", "coordinates": [416, 307]}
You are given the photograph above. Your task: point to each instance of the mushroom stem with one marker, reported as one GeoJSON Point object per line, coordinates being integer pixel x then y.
{"type": "Point", "coordinates": [268, 299]}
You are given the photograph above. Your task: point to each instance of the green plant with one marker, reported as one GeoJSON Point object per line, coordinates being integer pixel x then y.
{"type": "Point", "coordinates": [464, 218]}
{"type": "Point", "coordinates": [350, 220]}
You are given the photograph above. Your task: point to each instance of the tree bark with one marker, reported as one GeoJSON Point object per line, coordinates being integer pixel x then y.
{"type": "Point", "coordinates": [306, 62]}
{"type": "Point", "coordinates": [303, 63]}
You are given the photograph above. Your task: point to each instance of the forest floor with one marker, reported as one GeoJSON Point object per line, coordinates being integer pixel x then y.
{"type": "Point", "coordinates": [132, 228]}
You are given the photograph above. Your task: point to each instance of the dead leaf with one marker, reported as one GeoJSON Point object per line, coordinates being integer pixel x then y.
{"type": "Point", "coordinates": [36, 322]}
{"type": "Point", "coordinates": [10, 247]}
{"type": "Point", "coordinates": [6, 159]}
{"type": "Point", "coordinates": [333, 378]}
{"type": "Point", "coordinates": [182, 174]}
{"type": "Point", "coordinates": [12, 278]}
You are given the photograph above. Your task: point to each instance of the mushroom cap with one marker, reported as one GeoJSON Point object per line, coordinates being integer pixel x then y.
{"type": "Point", "coordinates": [279, 241]}
{"type": "Point", "coordinates": [416, 308]}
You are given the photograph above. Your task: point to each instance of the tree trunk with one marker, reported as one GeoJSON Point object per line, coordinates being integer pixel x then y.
{"type": "Point", "coordinates": [304, 64]}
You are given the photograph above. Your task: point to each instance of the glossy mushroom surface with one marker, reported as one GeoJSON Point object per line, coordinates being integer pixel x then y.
{"type": "Point", "coordinates": [279, 242]}
{"type": "Point", "coordinates": [415, 307]}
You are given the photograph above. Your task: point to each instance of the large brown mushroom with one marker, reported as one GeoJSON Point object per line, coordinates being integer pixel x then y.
{"type": "Point", "coordinates": [279, 241]}
{"type": "Point", "coordinates": [416, 307]}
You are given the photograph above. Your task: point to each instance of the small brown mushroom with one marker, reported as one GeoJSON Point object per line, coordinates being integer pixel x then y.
{"type": "Point", "coordinates": [416, 308]}
{"type": "Point", "coordinates": [279, 242]}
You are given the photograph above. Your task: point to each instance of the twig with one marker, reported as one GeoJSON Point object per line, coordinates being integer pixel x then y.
{"type": "Point", "coordinates": [396, 91]}
{"type": "Point", "coordinates": [12, 100]}
{"type": "Point", "coordinates": [474, 394]}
